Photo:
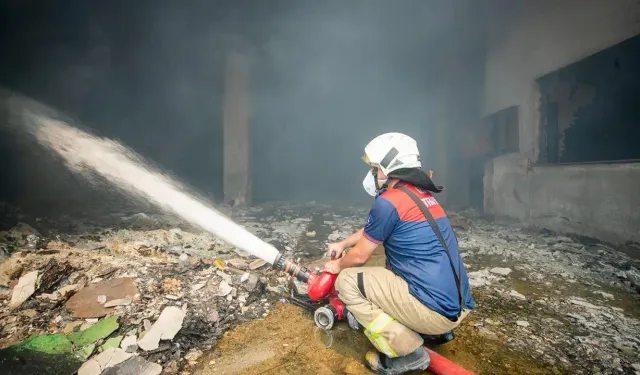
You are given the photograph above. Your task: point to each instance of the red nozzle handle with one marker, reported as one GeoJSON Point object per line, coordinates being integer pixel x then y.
{"type": "Point", "coordinates": [322, 286]}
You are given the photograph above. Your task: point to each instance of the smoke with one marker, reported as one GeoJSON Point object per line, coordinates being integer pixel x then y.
{"type": "Point", "coordinates": [326, 77]}
{"type": "Point", "coordinates": [335, 75]}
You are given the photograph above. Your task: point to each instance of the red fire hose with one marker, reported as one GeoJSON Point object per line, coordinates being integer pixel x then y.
{"type": "Point", "coordinates": [441, 366]}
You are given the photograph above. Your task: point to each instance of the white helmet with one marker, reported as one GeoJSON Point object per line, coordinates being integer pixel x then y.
{"type": "Point", "coordinates": [392, 151]}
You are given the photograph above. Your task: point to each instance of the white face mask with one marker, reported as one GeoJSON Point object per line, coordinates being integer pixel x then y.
{"type": "Point", "coordinates": [369, 184]}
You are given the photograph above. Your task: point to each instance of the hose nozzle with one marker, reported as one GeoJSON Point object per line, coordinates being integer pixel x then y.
{"type": "Point", "coordinates": [292, 268]}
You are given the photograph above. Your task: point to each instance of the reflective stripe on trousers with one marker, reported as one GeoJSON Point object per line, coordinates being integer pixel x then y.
{"type": "Point", "coordinates": [373, 333]}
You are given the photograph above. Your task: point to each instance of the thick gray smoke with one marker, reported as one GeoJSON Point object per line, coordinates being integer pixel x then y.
{"type": "Point", "coordinates": [326, 77]}
{"type": "Point", "coordinates": [337, 75]}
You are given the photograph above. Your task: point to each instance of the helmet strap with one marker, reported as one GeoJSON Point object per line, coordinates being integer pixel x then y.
{"type": "Point", "coordinates": [374, 172]}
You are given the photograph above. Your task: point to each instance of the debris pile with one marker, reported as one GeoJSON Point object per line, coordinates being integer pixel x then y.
{"type": "Point", "coordinates": [141, 292]}
{"type": "Point", "coordinates": [145, 293]}
{"type": "Point", "coordinates": [564, 301]}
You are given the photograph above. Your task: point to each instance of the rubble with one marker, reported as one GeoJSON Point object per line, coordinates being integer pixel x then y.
{"type": "Point", "coordinates": [214, 316]}
{"type": "Point", "coordinates": [128, 272]}
{"type": "Point", "coordinates": [165, 328]}
{"type": "Point", "coordinates": [500, 271]}
{"type": "Point", "coordinates": [129, 344]}
{"type": "Point", "coordinates": [172, 286]}
{"type": "Point", "coordinates": [193, 355]}
{"type": "Point", "coordinates": [604, 294]}
{"type": "Point", "coordinates": [103, 361]}
{"type": "Point", "coordinates": [633, 275]}
{"type": "Point", "coordinates": [517, 295]}
{"type": "Point", "coordinates": [118, 302]}
{"type": "Point", "coordinates": [113, 342]}
{"type": "Point", "coordinates": [481, 278]}
{"type": "Point", "coordinates": [10, 269]}
{"type": "Point", "coordinates": [24, 289]}
{"type": "Point", "coordinates": [66, 291]}
{"type": "Point", "coordinates": [134, 366]}
{"type": "Point", "coordinates": [206, 297]}
{"type": "Point", "coordinates": [86, 302]}
{"type": "Point", "coordinates": [74, 347]}
{"type": "Point", "coordinates": [196, 287]}
{"type": "Point", "coordinates": [238, 263]}
{"type": "Point", "coordinates": [53, 273]}
{"type": "Point", "coordinates": [224, 288]}
{"type": "Point", "coordinates": [582, 303]}
{"type": "Point", "coordinates": [252, 282]}
{"type": "Point", "coordinates": [256, 264]}
{"type": "Point", "coordinates": [71, 327]}
{"type": "Point", "coordinates": [21, 235]}
{"type": "Point", "coordinates": [94, 333]}
{"type": "Point", "coordinates": [569, 291]}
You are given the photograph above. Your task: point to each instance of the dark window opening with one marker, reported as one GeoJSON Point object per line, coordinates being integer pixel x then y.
{"type": "Point", "coordinates": [505, 136]}
{"type": "Point", "coordinates": [498, 134]}
{"type": "Point", "coordinates": [590, 110]}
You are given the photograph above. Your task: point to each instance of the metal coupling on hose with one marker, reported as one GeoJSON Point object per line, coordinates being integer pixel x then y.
{"type": "Point", "coordinates": [292, 268]}
{"type": "Point", "coordinates": [324, 317]}
{"type": "Point", "coordinates": [278, 264]}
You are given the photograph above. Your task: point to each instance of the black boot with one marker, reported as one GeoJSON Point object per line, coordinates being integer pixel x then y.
{"type": "Point", "coordinates": [408, 364]}
{"type": "Point", "coordinates": [435, 340]}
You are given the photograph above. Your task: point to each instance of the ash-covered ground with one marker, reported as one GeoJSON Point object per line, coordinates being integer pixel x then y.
{"type": "Point", "coordinates": [565, 305]}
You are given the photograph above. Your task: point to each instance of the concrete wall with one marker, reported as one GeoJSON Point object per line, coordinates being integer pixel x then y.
{"type": "Point", "coordinates": [595, 200]}
{"type": "Point", "coordinates": [506, 186]}
{"type": "Point", "coordinates": [599, 200]}
{"type": "Point", "coordinates": [542, 37]}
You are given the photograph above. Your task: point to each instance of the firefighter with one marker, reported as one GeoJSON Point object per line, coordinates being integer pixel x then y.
{"type": "Point", "coordinates": [423, 290]}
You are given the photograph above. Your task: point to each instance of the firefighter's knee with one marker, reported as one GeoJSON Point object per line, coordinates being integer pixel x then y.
{"type": "Point", "coordinates": [347, 285]}
{"type": "Point", "coordinates": [346, 280]}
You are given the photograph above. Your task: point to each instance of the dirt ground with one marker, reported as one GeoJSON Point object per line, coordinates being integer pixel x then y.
{"type": "Point", "coordinates": [288, 342]}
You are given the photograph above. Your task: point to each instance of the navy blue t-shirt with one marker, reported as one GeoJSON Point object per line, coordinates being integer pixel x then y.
{"type": "Point", "coordinates": [414, 252]}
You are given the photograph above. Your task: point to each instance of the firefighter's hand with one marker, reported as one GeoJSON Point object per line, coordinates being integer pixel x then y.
{"type": "Point", "coordinates": [335, 250]}
{"type": "Point", "coordinates": [333, 266]}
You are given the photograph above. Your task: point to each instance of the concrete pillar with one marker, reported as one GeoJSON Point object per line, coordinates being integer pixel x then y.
{"type": "Point", "coordinates": [236, 165]}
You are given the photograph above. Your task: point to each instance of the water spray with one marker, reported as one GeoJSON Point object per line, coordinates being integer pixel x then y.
{"type": "Point", "coordinates": [83, 152]}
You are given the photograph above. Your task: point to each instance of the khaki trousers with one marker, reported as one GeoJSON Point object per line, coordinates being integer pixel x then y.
{"type": "Point", "coordinates": [392, 317]}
